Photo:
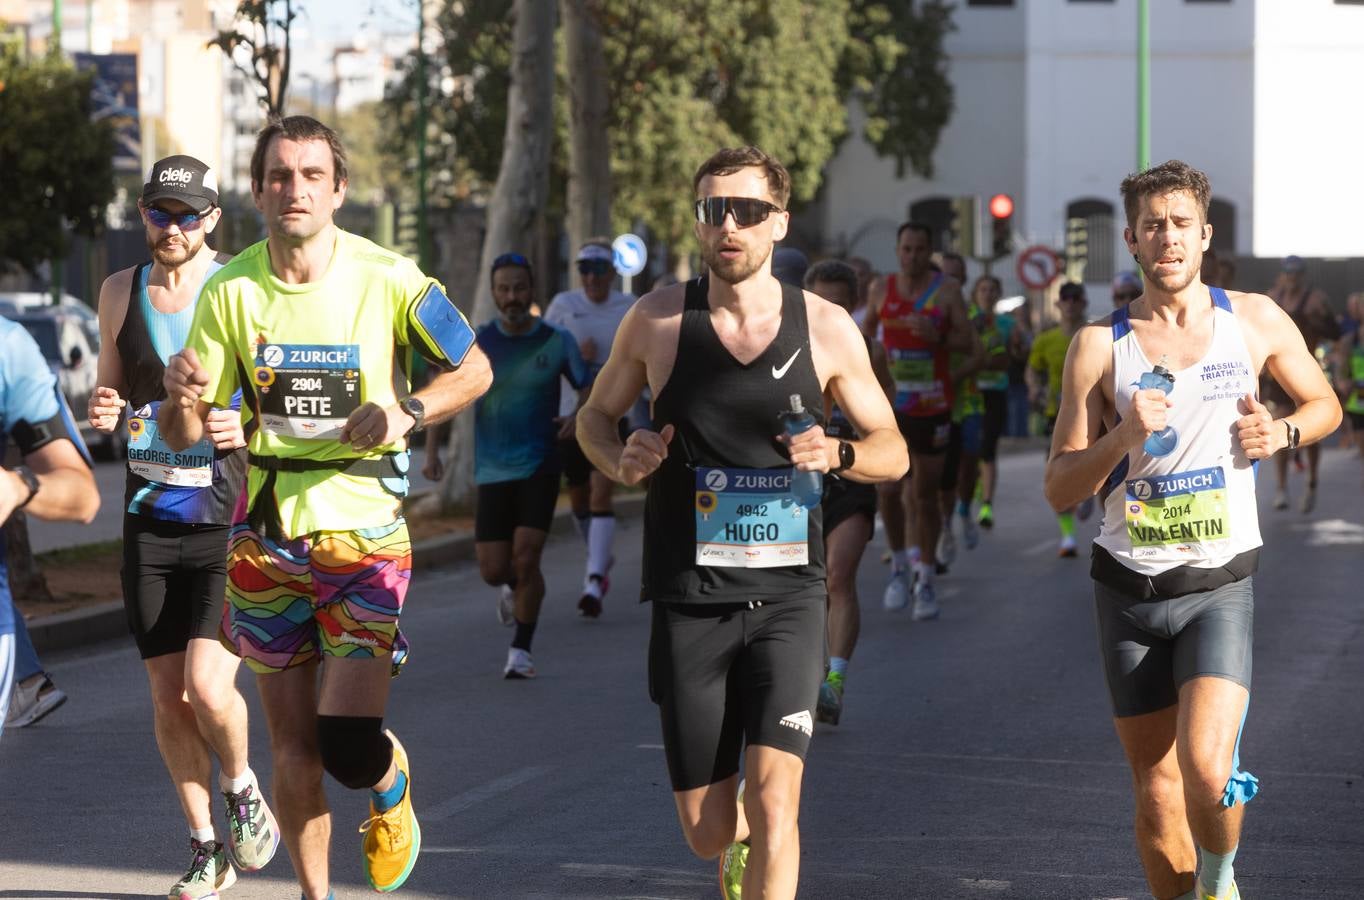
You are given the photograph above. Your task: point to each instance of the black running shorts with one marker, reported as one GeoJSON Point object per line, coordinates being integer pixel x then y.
{"type": "Point", "coordinates": [1151, 647]}
{"type": "Point", "coordinates": [925, 435]}
{"type": "Point", "coordinates": [844, 499]}
{"type": "Point", "coordinates": [504, 506]}
{"type": "Point", "coordinates": [726, 675]}
{"type": "Point", "coordinates": [992, 425]}
{"type": "Point", "coordinates": [577, 468]}
{"type": "Point", "coordinates": [174, 582]}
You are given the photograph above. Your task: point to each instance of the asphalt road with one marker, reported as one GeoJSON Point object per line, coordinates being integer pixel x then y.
{"type": "Point", "coordinates": [976, 758]}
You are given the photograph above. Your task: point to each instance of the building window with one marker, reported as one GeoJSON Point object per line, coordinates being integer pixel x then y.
{"type": "Point", "coordinates": [936, 213]}
{"type": "Point", "coordinates": [1089, 240]}
{"type": "Point", "coordinates": [1222, 218]}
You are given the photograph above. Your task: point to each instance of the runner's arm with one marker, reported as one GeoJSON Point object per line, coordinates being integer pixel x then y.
{"type": "Point", "coordinates": [960, 336]}
{"type": "Point", "coordinates": [876, 295]}
{"type": "Point", "coordinates": [66, 486]}
{"type": "Point", "coordinates": [1081, 459]}
{"type": "Point", "coordinates": [880, 367]}
{"type": "Point", "coordinates": [450, 393]}
{"type": "Point", "coordinates": [1317, 410]}
{"type": "Point", "coordinates": [881, 454]}
{"type": "Point", "coordinates": [614, 391]}
{"type": "Point", "coordinates": [107, 399]}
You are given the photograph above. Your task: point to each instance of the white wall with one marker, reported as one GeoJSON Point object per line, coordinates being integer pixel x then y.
{"type": "Point", "coordinates": [1309, 132]}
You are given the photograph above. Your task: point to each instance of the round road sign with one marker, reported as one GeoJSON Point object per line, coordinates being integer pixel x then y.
{"type": "Point", "coordinates": [629, 254]}
{"type": "Point", "coordinates": [1038, 266]}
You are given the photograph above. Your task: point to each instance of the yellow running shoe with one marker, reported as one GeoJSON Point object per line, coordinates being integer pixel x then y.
{"type": "Point", "coordinates": [732, 864]}
{"type": "Point", "coordinates": [393, 839]}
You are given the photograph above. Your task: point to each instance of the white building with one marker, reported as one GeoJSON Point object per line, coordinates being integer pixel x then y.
{"type": "Point", "coordinates": [1256, 93]}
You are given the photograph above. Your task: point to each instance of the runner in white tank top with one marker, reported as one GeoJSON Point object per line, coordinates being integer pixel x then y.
{"type": "Point", "coordinates": [1180, 537]}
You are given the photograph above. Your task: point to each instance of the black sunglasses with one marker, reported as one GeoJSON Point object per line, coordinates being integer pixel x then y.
{"type": "Point", "coordinates": [747, 211]}
{"type": "Point", "coordinates": [593, 267]}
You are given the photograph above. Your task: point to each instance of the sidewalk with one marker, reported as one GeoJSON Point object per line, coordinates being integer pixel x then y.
{"type": "Point", "coordinates": [108, 621]}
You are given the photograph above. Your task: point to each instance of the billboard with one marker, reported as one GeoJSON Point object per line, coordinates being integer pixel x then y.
{"type": "Point", "coordinates": [114, 96]}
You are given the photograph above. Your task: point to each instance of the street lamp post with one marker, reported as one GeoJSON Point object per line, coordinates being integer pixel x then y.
{"type": "Point", "coordinates": [423, 253]}
{"type": "Point", "coordinates": [1143, 86]}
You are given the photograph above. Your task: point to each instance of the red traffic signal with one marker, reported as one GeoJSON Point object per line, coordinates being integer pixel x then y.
{"type": "Point", "coordinates": [1001, 206]}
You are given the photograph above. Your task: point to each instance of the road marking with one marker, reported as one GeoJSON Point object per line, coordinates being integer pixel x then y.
{"type": "Point", "coordinates": [426, 849]}
{"type": "Point", "coordinates": [461, 802]}
{"type": "Point", "coordinates": [1035, 549]}
{"type": "Point", "coordinates": [985, 884]}
{"type": "Point", "coordinates": [649, 746]}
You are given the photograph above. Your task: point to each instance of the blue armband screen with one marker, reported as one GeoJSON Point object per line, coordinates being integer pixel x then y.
{"type": "Point", "coordinates": [439, 329]}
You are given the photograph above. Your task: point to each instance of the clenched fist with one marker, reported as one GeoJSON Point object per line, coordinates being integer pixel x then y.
{"type": "Point", "coordinates": [1259, 434]}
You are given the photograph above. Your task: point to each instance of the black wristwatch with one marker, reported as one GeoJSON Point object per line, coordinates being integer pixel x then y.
{"type": "Point", "coordinates": [414, 408]}
{"type": "Point", "coordinates": [30, 480]}
{"type": "Point", "coordinates": [1293, 434]}
{"type": "Point", "coordinates": [846, 457]}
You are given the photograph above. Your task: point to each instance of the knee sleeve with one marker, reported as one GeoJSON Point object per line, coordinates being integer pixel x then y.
{"type": "Point", "coordinates": [355, 751]}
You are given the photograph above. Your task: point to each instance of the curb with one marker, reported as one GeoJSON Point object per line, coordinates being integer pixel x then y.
{"type": "Point", "coordinates": [108, 621]}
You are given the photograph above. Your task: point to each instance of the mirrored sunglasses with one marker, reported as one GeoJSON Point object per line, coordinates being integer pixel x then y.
{"type": "Point", "coordinates": [184, 221]}
{"type": "Point", "coordinates": [747, 211]}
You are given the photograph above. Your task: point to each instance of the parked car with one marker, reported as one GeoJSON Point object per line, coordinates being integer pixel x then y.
{"type": "Point", "coordinates": [62, 336]}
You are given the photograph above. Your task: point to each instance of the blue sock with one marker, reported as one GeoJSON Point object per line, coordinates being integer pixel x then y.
{"type": "Point", "coordinates": [838, 665]}
{"type": "Point", "coordinates": [1214, 871]}
{"type": "Point", "coordinates": [389, 798]}
{"type": "Point", "coordinates": [964, 509]}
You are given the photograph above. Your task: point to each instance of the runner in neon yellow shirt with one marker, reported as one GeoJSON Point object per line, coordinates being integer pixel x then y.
{"type": "Point", "coordinates": [317, 326]}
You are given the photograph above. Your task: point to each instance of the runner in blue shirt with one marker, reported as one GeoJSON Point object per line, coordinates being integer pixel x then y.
{"type": "Point", "coordinates": [517, 429]}
{"type": "Point", "coordinates": [52, 482]}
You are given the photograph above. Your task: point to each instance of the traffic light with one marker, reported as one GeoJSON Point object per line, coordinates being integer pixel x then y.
{"type": "Point", "coordinates": [1001, 225]}
{"type": "Point", "coordinates": [961, 228]}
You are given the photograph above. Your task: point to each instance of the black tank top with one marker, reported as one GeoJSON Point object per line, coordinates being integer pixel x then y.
{"type": "Point", "coordinates": [143, 372]}
{"type": "Point", "coordinates": [726, 415]}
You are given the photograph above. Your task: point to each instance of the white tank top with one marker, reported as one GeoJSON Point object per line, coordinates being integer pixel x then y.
{"type": "Point", "coordinates": [1195, 505]}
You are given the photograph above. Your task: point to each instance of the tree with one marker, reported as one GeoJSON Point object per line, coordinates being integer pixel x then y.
{"type": "Point", "coordinates": [686, 77]}
{"type": "Point", "coordinates": [519, 194]}
{"type": "Point", "coordinates": [44, 194]}
{"type": "Point", "coordinates": [589, 146]}
{"type": "Point", "coordinates": [258, 45]}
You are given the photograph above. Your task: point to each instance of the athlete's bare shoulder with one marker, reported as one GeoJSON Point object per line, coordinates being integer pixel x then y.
{"type": "Point", "coordinates": [664, 303]}
{"type": "Point", "coordinates": [1093, 343]}
{"type": "Point", "coordinates": [1257, 310]}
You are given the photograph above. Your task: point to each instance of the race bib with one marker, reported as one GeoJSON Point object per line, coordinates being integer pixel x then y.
{"type": "Point", "coordinates": [1168, 515]}
{"type": "Point", "coordinates": [307, 390]}
{"type": "Point", "coordinates": [150, 458]}
{"type": "Point", "coordinates": [746, 518]}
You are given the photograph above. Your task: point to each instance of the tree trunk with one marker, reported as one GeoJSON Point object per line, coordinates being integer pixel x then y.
{"type": "Point", "coordinates": [589, 156]}
{"type": "Point", "coordinates": [26, 581]}
{"type": "Point", "coordinates": [518, 197]}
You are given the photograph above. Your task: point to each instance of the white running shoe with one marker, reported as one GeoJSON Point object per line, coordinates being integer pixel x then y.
{"type": "Point", "coordinates": [1309, 499]}
{"type": "Point", "coordinates": [947, 544]}
{"type": "Point", "coordinates": [29, 704]}
{"type": "Point", "coordinates": [1281, 499]}
{"type": "Point", "coordinates": [1067, 549]}
{"type": "Point", "coordinates": [519, 664]}
{"type": "Point", "coordinates": [506, 606]}
{"type": "Point", "coordinates": [896, 597]}
{"type": "Point", "coordinates": [925, 601]}
{"type": "Point", "coordinates": [970, 532]}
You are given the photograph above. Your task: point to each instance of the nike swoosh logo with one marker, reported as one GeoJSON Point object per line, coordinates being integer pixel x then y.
{"type": "Point", "coordinates": [778, 373]}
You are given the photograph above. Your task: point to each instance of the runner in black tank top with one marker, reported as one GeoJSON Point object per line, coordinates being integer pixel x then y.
{"type": "Point", "coordinates": [735, 567]}
{"type": "Point", "coordinates": [726, 415]}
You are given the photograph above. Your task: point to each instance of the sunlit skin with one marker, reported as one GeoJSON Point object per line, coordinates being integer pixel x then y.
{"type": "Point", "coordinates": [171, 246]}
{"type": "Point", "coordinates": [1168, 240]}
{"type": "Point", "coordinates": [512, 295]}
{"type": "Point", "coordinates": [986, 295]}
{"type": "Point", "coordinates": [914, 253]}
{"type": "Point", "coordinates": [731, 253]}
{"type": "Point", "coordinates": [300, 193]}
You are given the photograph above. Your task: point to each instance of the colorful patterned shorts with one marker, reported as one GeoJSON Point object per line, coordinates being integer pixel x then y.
{"type": "Point", "coordinates": [333, 592]}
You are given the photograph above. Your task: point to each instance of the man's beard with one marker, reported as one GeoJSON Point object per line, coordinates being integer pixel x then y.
{"type": "Point", "coordinates": [173, 254]}
{"type": "Point", "coordinates": [1172, 284]}
{"type": "Point", "coordinates": [732, 271]}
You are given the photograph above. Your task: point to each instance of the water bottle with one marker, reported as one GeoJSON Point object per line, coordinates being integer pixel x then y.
{"type": "Point", "coordinates": [1161, 442]}
{"type": "Point", "coordinates": [807, 488]}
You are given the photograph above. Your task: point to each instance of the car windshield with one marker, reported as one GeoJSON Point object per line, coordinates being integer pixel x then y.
{"type": "Point", "coordinates": [45, 333]}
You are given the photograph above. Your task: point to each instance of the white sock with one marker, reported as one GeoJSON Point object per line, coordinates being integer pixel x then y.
{"type": "Point", "coordinates": [925, 571]}
{"type": "Point", "coordinates": [202, 835]}
{"type": "Point", "coordinates": [1215, 871]}
{"type": "Point", "coordinates": [914, 554]}
{"type": "Point", "coordinates": [601, 534]}
{"type": "Point", "coordinates": [899, 560]}
{"type": "Point", "coordinates": [230, 785]}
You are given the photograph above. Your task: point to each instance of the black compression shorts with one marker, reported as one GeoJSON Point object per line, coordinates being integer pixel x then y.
{"type": "Point", "coordinates": [174, 582]}
{"type": "Point", "coordinates": [504, 506]}
{"type": "Point", "coordinates": [1151, 647]}
{"type": "Point", "coordinates": [726, 675]}
{"type": "Point", "coordinates": [844, 499]}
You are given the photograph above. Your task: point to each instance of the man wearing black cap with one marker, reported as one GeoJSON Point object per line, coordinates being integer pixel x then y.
{"type": "Point", "coordinates": [178, 511]}
{"type": "Point", "coordinates": [592, 315]}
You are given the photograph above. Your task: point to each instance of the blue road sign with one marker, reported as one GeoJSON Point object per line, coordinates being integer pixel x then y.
{"type": "Point", "coordinates": [629, 254]}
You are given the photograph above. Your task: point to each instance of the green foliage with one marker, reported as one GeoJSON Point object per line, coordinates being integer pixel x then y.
{"type": "Point", "coordinates": [56, 166]}
{"type": "Point", "coordinates": [896, 65]}
{"type": "Point", "coordinates": [689, 76]}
